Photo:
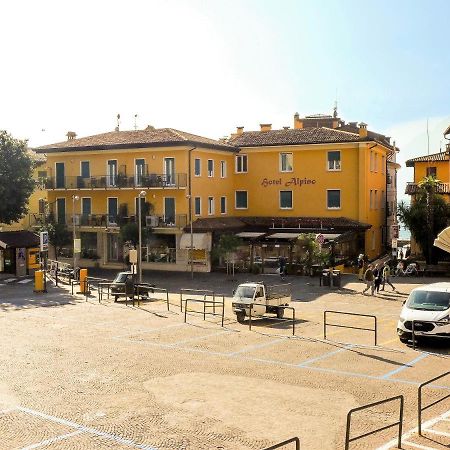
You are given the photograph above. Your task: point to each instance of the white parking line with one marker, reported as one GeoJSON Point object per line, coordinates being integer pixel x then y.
{"type": "Point", "coordinates": [404, 366]}
{"type": "Point", "coordinates": [439, 433]}
{"type": "Point", "coordinates": [27, 280]}
{"type": "Point", "coordinates": [425, 427]}
{"type": "Point", "coordinates": [81, 428]}
{"type": "Point", "coordinates": [417, 445]}
{"type": "Point", "coordinates": [52, 440]}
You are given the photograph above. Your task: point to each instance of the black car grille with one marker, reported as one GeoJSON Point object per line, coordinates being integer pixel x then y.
{"type": "Point", "coordinates": [419, 326]}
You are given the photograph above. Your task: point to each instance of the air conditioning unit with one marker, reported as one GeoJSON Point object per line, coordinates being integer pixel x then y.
{"type": "Point", "coordinates": [152, 221]}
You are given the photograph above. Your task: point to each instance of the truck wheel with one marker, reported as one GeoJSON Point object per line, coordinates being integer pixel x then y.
{"type": "Point", "coordinates": [280, 313]}
{"type": "Point", "coordinates": [240, 316]}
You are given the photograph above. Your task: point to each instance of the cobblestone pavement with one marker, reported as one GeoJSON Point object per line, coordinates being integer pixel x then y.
{"type": "Point", "coordinates": [80, 374]}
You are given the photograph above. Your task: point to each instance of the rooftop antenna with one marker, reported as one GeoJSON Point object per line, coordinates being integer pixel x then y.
{"type": "Point", "coordinates": [335, 111]}
{"type": "Point", "coordinates": [118, 122]}
{"type": "Point", "coordinates": [135, 122]}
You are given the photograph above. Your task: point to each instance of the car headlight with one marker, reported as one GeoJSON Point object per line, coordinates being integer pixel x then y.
{"type": "Point", "coordinates": [444, 319]}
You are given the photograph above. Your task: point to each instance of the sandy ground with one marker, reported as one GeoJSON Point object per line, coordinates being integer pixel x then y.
{"type": "Point", "coordinates": [77, 374]}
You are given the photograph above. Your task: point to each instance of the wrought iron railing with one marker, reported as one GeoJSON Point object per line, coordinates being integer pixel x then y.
{"type": "Point", "coordinates": [118, 181]}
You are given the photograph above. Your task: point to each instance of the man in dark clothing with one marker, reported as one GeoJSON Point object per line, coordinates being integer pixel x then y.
{"type": "Point", "coordinates": [282, 266]}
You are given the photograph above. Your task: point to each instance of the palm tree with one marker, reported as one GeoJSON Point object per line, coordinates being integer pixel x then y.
{"type": "Point", "coordinates": [429, 185]}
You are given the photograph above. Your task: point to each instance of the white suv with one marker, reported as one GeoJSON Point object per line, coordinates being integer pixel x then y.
{"type": "Point", "coordinates": [426, 304]}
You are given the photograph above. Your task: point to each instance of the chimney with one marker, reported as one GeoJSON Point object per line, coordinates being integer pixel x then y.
{"type": "Point", "coordinates": [362, 129]}
{"type": "Point", "coordinates": [71, 135]}
{"type": "Point", "coordinates": [298, 123]}
{"type": "Point", "coordinates": [239, 130]}
{"type": "Point", "coordinates": [265, 126]}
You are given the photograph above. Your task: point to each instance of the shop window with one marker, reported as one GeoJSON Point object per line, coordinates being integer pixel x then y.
{"type": "Point", "coordinates": [241, 200]}
{"type": "Point", "coordinates": [333, 198]}
{"type": "Point", "coordinates": [286, 162]}
{"type": "Point", "coordinates": [241, 163]}
{"type": "Point", "coordinates": [286, 199]}
{"type": "Point", "coordinates": [334, 160]}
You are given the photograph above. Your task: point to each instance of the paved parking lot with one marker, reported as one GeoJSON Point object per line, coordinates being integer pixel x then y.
{"type": "Point", "coordinates": [77, 374]}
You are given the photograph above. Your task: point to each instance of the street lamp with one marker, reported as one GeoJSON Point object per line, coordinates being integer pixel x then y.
{"type": "Point", "coordinates": [142, 195]}
{"type": "Point", "coordinates": [74, 197]}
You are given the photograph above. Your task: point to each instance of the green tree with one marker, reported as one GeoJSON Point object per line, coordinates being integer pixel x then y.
{"type": "Point", "coordinates": [228, 244]}
{"type": "Point", "coordinates": [58, 235]}
{"type": "Point", "coordinates": [427, 209]}
{"type": "Point", "coordinates": [429, 185]}
{"type": "Point", "coordinates": [16, 180]}
{"type": "Point", "coordinates": [130, 233]}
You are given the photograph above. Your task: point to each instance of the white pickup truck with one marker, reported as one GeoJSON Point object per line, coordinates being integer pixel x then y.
{"type": "Point", "coordinates": [261, 298]}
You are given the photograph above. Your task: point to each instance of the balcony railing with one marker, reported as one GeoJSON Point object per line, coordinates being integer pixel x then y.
{"type": "Point", "coordinates": [119, 181]}
{"type": "Point", "coordinates": [414, 188]}
{"type": "Point", "coordinates": [111, 221]}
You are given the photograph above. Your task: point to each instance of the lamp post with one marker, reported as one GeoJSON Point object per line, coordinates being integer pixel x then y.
{"type": "Point", "coordinates": [74, 198]}
{"type": "Point", "coordinates": [142, 195]}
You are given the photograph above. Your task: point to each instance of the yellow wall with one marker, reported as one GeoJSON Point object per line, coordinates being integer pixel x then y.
{"type": "Point", "coordinates": [263, 181]}
{"type": "Point", "coordinates": [442, 170]}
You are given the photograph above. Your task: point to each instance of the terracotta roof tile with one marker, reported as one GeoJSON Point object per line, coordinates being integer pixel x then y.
{"type": "Point", "coordinates": [298, 136]}
{"type": "Point", "coordinates": [442, 156]}
{"type": "Point", "coordinates": [134, 139]}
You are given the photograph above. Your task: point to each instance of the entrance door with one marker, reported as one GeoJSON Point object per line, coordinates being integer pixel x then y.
{"type": "Point", "coordinates": [169, 210]}
{"type": "Point", "coordinates": [61, 210]}
{"type": "Point", "coordinates": [112, 210]}
{"type": "Point", "coordinates": [112, 173]}
{"type": "Point", "coordinates": [113, 247]}
{"type": "Point", "coordinates": [60, 175]}
{"type": "Point", "coordinates": [169, 171]}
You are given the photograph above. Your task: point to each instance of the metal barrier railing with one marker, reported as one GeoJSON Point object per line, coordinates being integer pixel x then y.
{"type": "Point", "coordinates": [273, 318]}
{"type": "Point", "coordinates": [197, 292]}
{"type": "Point", "coordinates": [294, 440]}
{"type": "Point", "coordinates": [150, 288]}
{"type": "Point", "coordinates": [93, 282]}
{"type": "Point", "coordinates": [206, 304]}
{"type": "Point", "coordinates": [349, 439]}
{"type": "Point", "coordinates": [325, 324]}
{"type": "Point", "coordinates": [421, 408]}
{"type": "Point", "coordinates": [102, 286]}
{"type": "Point", "coordinates": [414, 328]}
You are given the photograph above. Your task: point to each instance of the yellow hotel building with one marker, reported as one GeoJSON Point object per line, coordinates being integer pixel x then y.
{"type": "Point", "coordinates": [267, 186]}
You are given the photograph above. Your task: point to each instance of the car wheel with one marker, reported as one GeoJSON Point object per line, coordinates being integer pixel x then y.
{"type": "Point", "coordinates": [280, 313]}
{"type": "Point", "coordinates": [404, 340]}
{"type": "Point", "coordinates": [240, 316]}
{"type": "Point", "coordinates": [116, 297]}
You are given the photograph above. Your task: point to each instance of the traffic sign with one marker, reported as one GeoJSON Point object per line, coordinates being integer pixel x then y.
{"type": "Point", "coordinates": [43, 241]}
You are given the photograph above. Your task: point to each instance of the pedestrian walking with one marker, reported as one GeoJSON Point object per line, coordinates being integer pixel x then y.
{"type": "Point", "coordinates": [401, 254]}
{"type": "Point", "coordinates": [361, 267]}
{"type": "Point", "coordinates": [369, 279]}
{"type": "Point", "coordinates": [386, 276]}
{"type": "Point", "coordinates": [282, 266]}
{"type": "Point", "coordinates": [377, 274]}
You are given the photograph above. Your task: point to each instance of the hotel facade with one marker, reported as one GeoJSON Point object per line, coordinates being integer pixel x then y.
{"type": "Point", "coordinates": [268, 186]}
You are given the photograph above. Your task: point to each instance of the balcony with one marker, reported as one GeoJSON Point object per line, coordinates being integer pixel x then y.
{"type": "Point", "coordinates": [114, 221]}
{"type": "Point", "coordinates": [413, 188]}
{"type": "Point", "coordinates": [119, 181]}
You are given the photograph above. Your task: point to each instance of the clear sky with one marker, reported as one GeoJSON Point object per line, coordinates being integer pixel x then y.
{"type": "Point", "coordinates": [207, 66]}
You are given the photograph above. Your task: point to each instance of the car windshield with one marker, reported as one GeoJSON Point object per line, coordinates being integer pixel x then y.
{"type": "Point", "coordinates": [429, 300]}
{"type": "Point", "coordinates": [121, 277]}
{"type": "Point", "coordinates": [244, 292]}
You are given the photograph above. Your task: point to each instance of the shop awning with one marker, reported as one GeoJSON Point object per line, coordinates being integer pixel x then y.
{"type": "Point", "coordinates": [201, 241]}
{"type": "Point", "coordinates": [443, 240]}
{"type": "Point", "coordinates": [284, 236]}
{"type": "Point", "coordinates": [250, 234]}
{"type": "Point", "coordinates": [18, 239]}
